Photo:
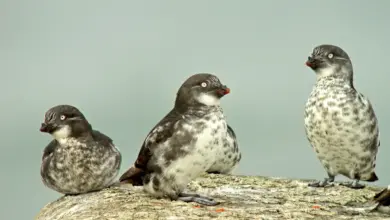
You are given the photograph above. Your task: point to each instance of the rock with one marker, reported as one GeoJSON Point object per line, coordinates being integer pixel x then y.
{"type": "Point", "coordinates": [241, 197]}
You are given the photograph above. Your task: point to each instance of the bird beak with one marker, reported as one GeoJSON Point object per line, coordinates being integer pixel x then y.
{"type": "Point", "coordinates": [310, 61]}
{"type": "Point", "coordinates": [224, 90]}
{"type": "Point", "coordinates": [47, 128]}
{"type": "Point", "coordinates": [313, 62]}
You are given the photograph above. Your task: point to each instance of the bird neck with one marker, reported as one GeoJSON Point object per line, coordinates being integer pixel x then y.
{"type": "Point", "coordinates": [81, 130]}
{"type": "Point", "coordinates": [197, 110]}
{"type": "Point", "coordinates": [331, 81]}
{"type": "Point", "coordinates": [338, 79]}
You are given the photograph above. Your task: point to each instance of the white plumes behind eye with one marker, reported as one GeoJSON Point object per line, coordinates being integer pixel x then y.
{"type": "Point", "coordinates": [62, 133]}
{"type": "Point", "coordinates": [208, 99]}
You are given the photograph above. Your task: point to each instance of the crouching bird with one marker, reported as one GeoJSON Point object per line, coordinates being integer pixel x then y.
{"type": "Point", "coordinates": [79, 159]}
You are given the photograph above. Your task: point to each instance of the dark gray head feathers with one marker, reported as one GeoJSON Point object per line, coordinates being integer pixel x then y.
{"type": "Point", "coordinates": [196, 85]}
{"type": "Point", "coordinates": [60, 116]}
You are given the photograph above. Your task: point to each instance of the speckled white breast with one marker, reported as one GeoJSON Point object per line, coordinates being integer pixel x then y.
{"type": "Point", "coordinates": [336, 125]}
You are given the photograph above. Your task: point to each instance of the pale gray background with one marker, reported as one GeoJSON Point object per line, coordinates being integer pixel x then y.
{"type": "Point", "coordinates": [121, 63]}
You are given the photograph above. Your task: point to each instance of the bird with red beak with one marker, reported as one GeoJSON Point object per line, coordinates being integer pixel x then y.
{"type": "Point", "coordinates": [340, 122]}
{"type": "Point", "coordinates": [79, 159]}
{"type": "Point", "coordinates": [191, 139]}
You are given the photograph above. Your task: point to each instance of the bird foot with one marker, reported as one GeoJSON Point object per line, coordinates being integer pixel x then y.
{"type": "Point", "coordinates": [353, 185]}
{"type": "Point", "coordinates": [322, 183]}
{"type": "Point", "coordinates": [115, 184]}
{"type": "Point", "coordinates": [192, 197]}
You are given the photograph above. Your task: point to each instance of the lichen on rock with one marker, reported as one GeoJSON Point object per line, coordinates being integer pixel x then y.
{"type": "Point", "coordinates": [241, 197]}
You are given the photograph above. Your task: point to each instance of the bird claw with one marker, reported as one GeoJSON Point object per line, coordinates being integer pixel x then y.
{"type": "Point", "coordinates": [202, 200]}
{"type": "Point", "coordinates": [353, 185]}
{"type": "Point", "coordinates": [183, 194]}
{"type": "Point", "coordinates": [319, 184]}
{"type": "Point", "coordinates": [115, 184]}
{"type": "Point", "coordinates": [323, 183]}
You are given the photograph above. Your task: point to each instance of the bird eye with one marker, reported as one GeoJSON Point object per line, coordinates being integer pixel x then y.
{"type": "Point", "coordinates": [203, 84]}
{"type": "Point", "coordinates": [62, 117]}
{"type": "Point", "coordinates": [330, 56]}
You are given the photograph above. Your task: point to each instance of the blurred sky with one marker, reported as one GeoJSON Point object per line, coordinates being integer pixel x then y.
{"type": "Point", "coordinates": [121, 63]}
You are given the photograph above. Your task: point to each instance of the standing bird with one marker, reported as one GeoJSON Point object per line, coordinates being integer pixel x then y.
{"type": "Point", "coordinates": [191, 139]}
{"type": "Point", "coordinates": [340, 122]}
{"type": "Point", "coordinates": [79, 159]}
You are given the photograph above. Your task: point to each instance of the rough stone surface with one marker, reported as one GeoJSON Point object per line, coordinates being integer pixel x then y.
{"type": "Point", "coordinates": [241, 197]}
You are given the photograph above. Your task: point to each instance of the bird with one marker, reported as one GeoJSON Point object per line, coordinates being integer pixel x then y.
{"type": "Point", "coordinates": [340, 122]}
{"type": "Point", "coordinates": [79, 159]}
{"type": "Point", "coordinates": [191, 139]}
{"type": "Point", "coordinates": [382, 200]}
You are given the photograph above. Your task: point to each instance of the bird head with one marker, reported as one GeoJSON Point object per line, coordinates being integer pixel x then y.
{"type": "Point", "coordinates": [328, 60]}
{"type": "Point", "coordinates": [64, 121]}
{"type": "Point", "coordinates": [201, 89]}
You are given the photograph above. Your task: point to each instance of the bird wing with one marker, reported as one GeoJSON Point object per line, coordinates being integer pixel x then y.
{"type": "Point", "coordinates": [366, 102]}
{"type": "Point", "coordinates": [383, 197]}
{"type": "Point", "coordinates": [49, 149]}
{"type": "Point", "coordinates": [158, 135]}
{"type": "Point", "coordinates": [231, 132]}
{"type": "Point", "coordinates": [101, 138]}
{"type": "Point", "coordinates": [232, 135]}
{"type": "Point", "coordinates": [104, 140]}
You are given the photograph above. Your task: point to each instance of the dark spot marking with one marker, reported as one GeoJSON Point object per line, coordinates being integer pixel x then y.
{"type": "Point", "coordinates": [154, 167]}
{"type": "Point", "coordinates": [357, 176]}
{"type": "Point", "coordinates": [179, 170]}
{"type": "Point", "coordinates": [156, 183]}
{"type": "Point", "coordinates": [147, 179]}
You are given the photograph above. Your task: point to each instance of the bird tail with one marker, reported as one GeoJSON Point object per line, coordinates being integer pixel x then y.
{"type": "Point", "coordinates": [133, 176]}
{"type": "Point", "coordinates": [373, 177]}
{"type": "Point", "coordinates": [383, 197]}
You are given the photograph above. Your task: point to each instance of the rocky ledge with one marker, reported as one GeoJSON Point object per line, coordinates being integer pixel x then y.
{"type": "Point", "coordinates": [241, 197]}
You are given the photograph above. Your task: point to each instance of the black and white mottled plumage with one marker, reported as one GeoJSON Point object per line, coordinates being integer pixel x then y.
{"type": "Point", "coordinates": [226, 163]}
{"type": "Point", "coordinates": [191, 139]}
{"type": "Point", "coordinates": [340, 122]}
{"type": "Point", "coordinates": [79, 159]}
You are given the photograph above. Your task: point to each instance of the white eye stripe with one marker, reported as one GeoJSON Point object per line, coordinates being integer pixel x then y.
{"type": "Point", "coordinates": [330, 56]}
{"type": "Point", "coordinates": [204, 84]}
